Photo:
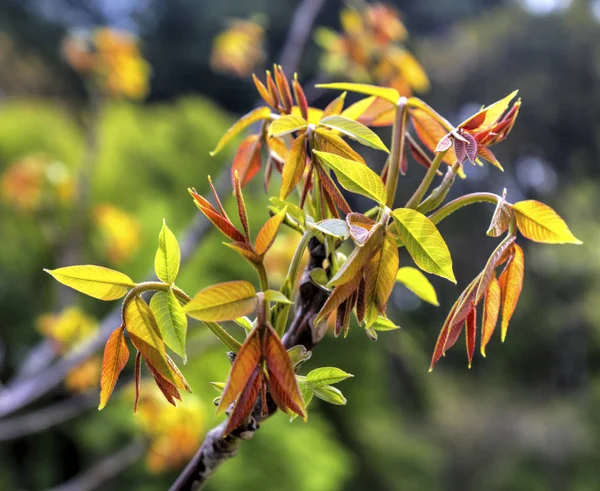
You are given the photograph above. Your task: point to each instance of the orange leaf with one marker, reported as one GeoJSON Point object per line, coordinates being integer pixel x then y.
{"type": "Point", "coordinates": [264, 92]}
{"type": "Point", "coordinates": [277, 149]}
{"type": "Point", "coordinates": [247, 159]}
{"type": "Point", "coordinates": [245, 250]}
{"type": "Point", "coordinates": [241, 204]}
{"type": "Point", "coordinates": [293, 169]}
{"type": "Point", "coordinates": [470, 329]}
{"type": "Point", "coordinates": [282, 378]}
{"type": "Point", "coordinates": [244, 365]}
{"type": "Point", "coordinates": [491, 309]}
{"type": "Point", "coordinates": [492, 264]}
{"type": "Point", "coordinates": [340, 294]}
{"type": "Point", "coordinates": [224, 225]}
{"type": "Point", "coordinates": [511, 284]}
{"type": "Point", "coordinates": [430, 132]}
{"type": "Point", "coordinates": [116, 355]}
{"type": "Point", "coordinates": [246, 401]}
{"type": "Point", "coordinates": [332, 191]}
{"type": "Point", "coordinates": [266, 235]}
{"type": "Point", "coordinates": [167, 388]}
{"type": "Point", "coordinates": [540, 223]}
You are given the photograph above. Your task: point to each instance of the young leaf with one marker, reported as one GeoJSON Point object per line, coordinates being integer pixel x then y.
{"type": "Point", "coordinates": [540, 223]}
{"type": "Point", "coordinates": [220, 221]}
{"type": "Point", "coordinates": [243, 367]}
{"type": "Point", "coordinates": [168, 389]}
{"type": "Point", "coordinates": [245, 403]}
{"type": "Point", "coordinates": [241, 206]}
{"type": "Point", "coordinates": [354, 130]}
{"type": "Point", "coordinates": [293, 210]}
{"type": "Point", "coordinates": [330, 394]}
{"type": "Point", "coordinates": [266, 235]}
{"type": "Point", "coordinates": [495, 260]}
{"type": "Point", "coordinates": [277, 296]}
{"type": "Point", "coordinates": [470, 330]}
{"type": "Point", "coordinates": [240, 125]}
{"type": "Point", "coordinates": [218, 386]}
{"type": "Point", "coordinates": [339, 295]}
{"type": "Point", "coordinates": [333, 227]}
{"type": "Point", "coordinates": [388, 94]}
{"type": "Point", "coordinates": [355, 177]}
{"type": "Point", "coordinates": [380, 276]}
{"type": "Point", "coordinates": [246, 161]}
{"type": "Point", "coordinates": [320, 377]}
{"type": "Point", "coordinates": [335, 106]}
{"type": "Point", "coordinates": [424, 242]}
{"type": "Point", "coordinates": [245, 250]}
{"type": "Point", "coordinates": [171, 320]}
{"type": "Point", "coordinates": [168, 256]}
{"type": "Point", "coordinates": [244, 322]}
{"type": "Point", "coordinates": [491, 309]}
{"type": "Point", "coordinates": [327, 141]}
{"type": "Point", "coordinates": [145, 335]}
{"type": "Point", "coordinates": [511, 284]}
{"type": "Point", "coordinates": [298, 355]}
{"type": "Point", "coordinates": [284, 125]}
{"type": "Point", "coordinates": [137, 371]}
{"type": "Point", "coordinates": [294, 166]}
{"type": "Point", "coordinates": [430, 131]}
{"type": "Point", "coordinates": [116, 355]}
{"type": "Point", "coordinates": [95, 281]}
{"type": "Point", "coordinates": [222, 302]}
{"type": "Point", "coordinates": [500, 219]}
{"type": "Point", "coordinates": [384, 324]}
{"type": "Point", "coordinates": [417, 283]}
{"type": "Point", "coordinates": [281, 374]}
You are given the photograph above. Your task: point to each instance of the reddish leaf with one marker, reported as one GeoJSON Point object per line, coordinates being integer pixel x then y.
{"type": "Point", "coordinates": [116, 355]}
{"type": "Point", "coordinates": [338, 296]}
{"type": "Point", "coordinates": [264, 92]}
{"type": "Point", "coordinates": [491, 310]}
{"type": "Point", "coordinates": [283, 87]}
{"type": "Point", "coordinates": [332, 190]}
{"type": "Point", "coordinates": [241, 204]}
{"type": "Point", "coordinates": [273, 90]}
{"type": "Point", "coordinates": [242, 370]}
{"type": "Point", "coordinates": [247, 159]}
{"type": "Point", "coordinates": [493, 262]}
{"type": "Point", "coordinates": [470, 329]}
{"type": "Point", "coordinates": [360, 301]}
{"type": "Point", "coordinates": [224, 225]}
{"type": "Point", "coordinates": [170, 392]}
{"type": "Point", "coordinates": [245, 250]}
{"type": "Point", "coordinates": [245, 403]}
{"type": "Point", "coordinates": [300, 97]}
{"type": "Point", "coordinates": [511, 285]}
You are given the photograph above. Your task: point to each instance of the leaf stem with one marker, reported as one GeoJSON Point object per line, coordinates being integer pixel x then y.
{"type": "Point", "coordinates": [439, 194]}
{"type": "Point", "coordinates": [458, 203]}
{"type": "Point", "coordinates": [226, 338]}
{"type": "Point", "coordinates": [397, 150]}
{"type": "Point", "coordinates": [425, 184]}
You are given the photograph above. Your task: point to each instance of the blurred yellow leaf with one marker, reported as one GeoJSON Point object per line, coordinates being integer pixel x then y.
{"type": "Point", "coordinates": [240, 125]}
{"type": "Point", "coordinates": [383, 92]}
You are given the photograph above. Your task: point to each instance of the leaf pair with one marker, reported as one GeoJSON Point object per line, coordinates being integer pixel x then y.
{"type": "Point", "coordinates": [262, 364]}
{"type": "Point", "coordinates": [319, 383]}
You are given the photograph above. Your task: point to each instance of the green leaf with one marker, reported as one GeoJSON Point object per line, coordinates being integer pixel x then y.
{"type": "Point", "coordinates": [171, 320]}
{"type": "Point", "coordinates": [424, 242]}
{"type": "Point", "coordinates": [306, 391]}
{"type": "Point", "coordinates": [386, 93]}
{"type": "Point", "coordinates": [240, 125]}
{"type": "Point", "coordinates": [277, 296]}
{"type": "Point", "coordinates": [218, 386]}
{"type": "Point", "coordinates": [95, 281]}
{"type": "Point", "coordinates": [244, 322]}
{"type": "Point", "coordinates": [292, 210]}
{"type": "Point", "coordinates": [355, 177]}
{"type": "Point", "coordinates": [384, 324]}
{"type": "Point", "coordinates": [354, 130]}
{"type": "Point", "coordinates": [417, 283]}
{"type": "Point", "coordinates": [222, 302]}
{"type": "Point", "coordinates": [332, 226]}
{"type": "Point", "coordinates": [298, 355]}
{"type": "Point", "coordinates": [168, 256]}
{"type": "Point", "coordinates": [320, 377]}
{"type": "Point", "coordinates": [284, 125]}
{"type": "Point", "coordinates": [330, 394]}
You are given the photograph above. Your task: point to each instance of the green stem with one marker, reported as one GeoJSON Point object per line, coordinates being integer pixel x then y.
{"type": "Point", "coordinates": [438, 195]}
{"type": "Point", "coordinates": [226, 338]}
{"type": "Point", "coordinates": [264, 286]}
{"type": "Point", "coordinates": [397, 150]}
{"type": "Point", "coordinates": [458, 203]}
{"type": "Point", "coordinates": [421, 191]}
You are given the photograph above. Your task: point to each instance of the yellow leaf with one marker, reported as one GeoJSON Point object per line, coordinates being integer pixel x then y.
{"type": "Point", "coordinates": [145, 335]}
{"type": "Point", "coordinates": [386, 93]}
{"type": "Point", "coordinates": [491, 309]}
{"type": "Point", "coordinates": [293, 169]}
{"type": "Point", "coordinates": [116, 355]}
{"type": "Point", "coordinates": [424, 242]}
{"type": "Point", "coordinates": [335, 106]}
{"type": "Point", "coordinates": [222, 302]}
{"type": "Point", "coordinates": [511, 285]}
{"type": "Point", "coordinates": [168, 256]}
{"type": "Point", "coordinates": [356, 110]}
{"type": "Point", "coordinates": [95, 281]}
{"type": "Point", "coordinates": [497, 109]}
{"type": "Point", "coordinates": [314, 114]}
{"type": "Point", "coordinates": [417, 283]}
{"type": "Point", "coordinates": [171, 320]}
{"type": "Point", "coordinates": [240, 125]}
{"type": "Point", "coordinates": [354, 130]}
{"type": "Point", "coordinates": [266, 235]}
{"type": "Point", "coordinates": [327, 141]}
{"type": "Point", "coordinates": [540, 223]}
{"type": "Point", "coordinates": [286, 124]}
{"type": "Point", "coordinates": [355, 177]}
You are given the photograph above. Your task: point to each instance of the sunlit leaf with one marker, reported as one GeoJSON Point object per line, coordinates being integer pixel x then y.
{"type": "Point", "coordinates": [424, 242]}
{"type": "Point", "coordinates": [491, 309]}
{"type": "Point", "coordinates": [540, 223]}
{"type": "Point", "coordinates": [333, 227]}
{"type": "Point", "coordinates": [330, 394]}
{"type": "Point", "coordinates": [222, 302]}
{"type": "Point", "coordinates": [386, 93]}
{"type": "Point", "coordinates": [242, 369]}
{"type": "Point", "coordinates": [470, 330]}
{"type": "Point", "coordinates": [286, 124]}
{"type": "Point", "coordinates": [221, 222]}
{"type": "Point", "coordinates": [327, 141]}
{"type": "Point", "coordinates": [294, 166]}
{"type": "Point", "coordinates": [168, 256]}
{"type": "Point", "coordinates": [339, 295]}
{"type": "Point", "coordinates": [171, 320]}
{"type": "Point", "coordinates": [495, 260]}
{"type": "Point", "coordinates": [355, 177]}
{"type": "Point", "coordinates": [246, 161]}
{"type": "Point", "coordinates": [384, 324]}
{"type": "Point", "coordinates": [511, 284]}
{"type": "Point", "coordinates": [116, 354]}
{"type": "Point", "coordinates": [430, 132]}
{"type": "Point", "coordinates": [245, 250]}
{"type": "Point", "coordinates": [417, 282]}
{"type": "Point", "coordinates": [168, 389]}
{"type": "Point", "coordinates": [240, 125]}
{"type": "Point", "coordinates": [244, 322]}
{"type": "Point", "coordinates": [245, 402]}
{"type": "Point", "coordinates": [320, 377]}
{"type": "Point", "coordinates": [95, 281]}
{"type": "Point", "coordinates": [335, 106]}
{"type": "Point", "coordinates": [497, 109]}
{"type": "Point", "coordinates": [354, 130]}
{"type": "Point", "coordinates": [267, 234]}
